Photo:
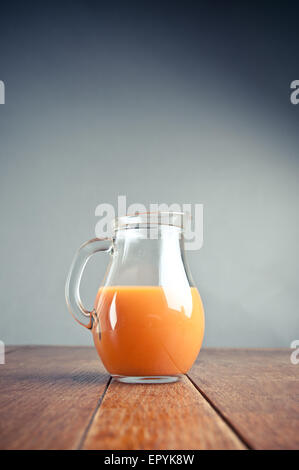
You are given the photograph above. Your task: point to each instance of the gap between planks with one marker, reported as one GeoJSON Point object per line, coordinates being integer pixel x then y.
{"type": "Point", "coordinates": [11, 349]}
{"type": "Point", "coordinates": [85, 433]}
{"type": "Point", "coordinates": [93, 434]}
{"type": "Point", "coordinates": [221, 415]}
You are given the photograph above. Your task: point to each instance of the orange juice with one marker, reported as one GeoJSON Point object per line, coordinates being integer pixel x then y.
{"type": "Point", "coordinates": [146, 331]}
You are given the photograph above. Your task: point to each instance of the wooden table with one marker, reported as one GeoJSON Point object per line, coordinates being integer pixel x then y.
{"type": "Point", "coordinates": [62, 398]}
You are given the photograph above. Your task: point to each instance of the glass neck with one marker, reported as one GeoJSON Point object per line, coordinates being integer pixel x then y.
{"type": "Point", "coordinates": [149, 256]}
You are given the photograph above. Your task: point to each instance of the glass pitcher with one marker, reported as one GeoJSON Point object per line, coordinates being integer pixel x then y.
{"type": "Point", "coordinates": [148, 319]}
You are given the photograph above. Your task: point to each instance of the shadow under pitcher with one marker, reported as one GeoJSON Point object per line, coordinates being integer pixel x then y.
{"type": "Point", "coordinates": [148, 318]}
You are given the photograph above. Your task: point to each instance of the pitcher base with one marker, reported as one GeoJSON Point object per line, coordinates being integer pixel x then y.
{"type": "Point", "coordinates": [150, 379]}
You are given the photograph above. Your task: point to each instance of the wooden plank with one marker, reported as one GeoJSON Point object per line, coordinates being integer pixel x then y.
{"type": "Point", "coordinates": [164, 416]}
{"type": "Point", "coordinates": [48, 396]}
{"type": "Point", "coordinates": [257, 391]}
{"type": "Point", "coordinates": [12, 348]}
{"type": "Point", "coordinates": [9, 349]}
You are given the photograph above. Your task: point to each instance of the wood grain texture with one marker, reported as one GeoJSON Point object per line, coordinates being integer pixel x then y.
{"type": "Point", "coordinates": [9, 349]}
{"type": "Point", "coordinates": [164, 416]}
{"type": "Point", "coordinates": [57, 398]}
{"type": "Point", "coordinates": [48, 396]}
{"type": "Point", "coordinates": [256, 390]}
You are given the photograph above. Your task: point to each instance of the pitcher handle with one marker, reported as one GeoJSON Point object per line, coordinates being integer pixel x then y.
{"type": "Point", "coordinates": [72, 286]}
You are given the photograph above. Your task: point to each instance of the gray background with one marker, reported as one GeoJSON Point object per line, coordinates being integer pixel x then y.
{"type": "Point", "coordinates": [162, 107]}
